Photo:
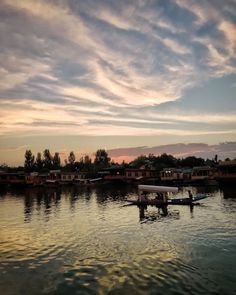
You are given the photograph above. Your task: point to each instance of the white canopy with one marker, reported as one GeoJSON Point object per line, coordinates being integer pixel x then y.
{"type": "Point", "coordinates": [155, 189]}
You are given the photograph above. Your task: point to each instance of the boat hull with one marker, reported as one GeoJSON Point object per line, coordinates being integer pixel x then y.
{"type": "Point", "coordinates": [181, 201]}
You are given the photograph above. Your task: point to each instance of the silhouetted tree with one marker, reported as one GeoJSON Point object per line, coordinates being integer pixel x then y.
{"type": "Point", "coordinates": [101, 159]}
{"type": "Point", "coordinates": [71, 158]}
{"type": "Point", "coordinates": [56, 161]}
{"type": "Point", "coordinates": [48, 160]}
{"type": "Point", "coordinates": [192, 162]}
{"type": "Point", "coordinates": [138, 162]}
{"type": "Point", "coordinates": [29, 161]}
{"type": "Point", "coordinates": [85, 165]}
{"type": "Point", "coordinates": [39, 162]}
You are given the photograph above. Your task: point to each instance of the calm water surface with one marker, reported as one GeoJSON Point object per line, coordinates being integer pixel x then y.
{"type": "Point", "coordinates": [85, 241]}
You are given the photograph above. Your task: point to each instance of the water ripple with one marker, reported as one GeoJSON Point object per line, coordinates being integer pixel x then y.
{"type": "Point", "coordinates": [85, 242]}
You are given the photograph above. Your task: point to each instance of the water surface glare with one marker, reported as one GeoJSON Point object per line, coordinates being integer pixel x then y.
{"type": "Point", "coordinates": [85, 241]}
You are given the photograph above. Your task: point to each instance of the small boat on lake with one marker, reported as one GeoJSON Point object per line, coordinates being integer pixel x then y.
{"type": "Point", "coordinates": [161, 198]}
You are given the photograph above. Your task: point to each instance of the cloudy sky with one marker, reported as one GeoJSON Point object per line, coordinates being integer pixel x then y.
{"type": "Point", "coordinates": [86, 74]}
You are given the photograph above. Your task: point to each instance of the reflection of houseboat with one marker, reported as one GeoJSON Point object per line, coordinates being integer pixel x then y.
{"type": "Point", "coordinates": [226, 172]}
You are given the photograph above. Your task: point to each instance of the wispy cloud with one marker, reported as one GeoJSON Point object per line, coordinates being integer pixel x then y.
{"type": "Point", "coordinates": [99, 68]}
{"type": "Point", "coordinates": [179, 150]}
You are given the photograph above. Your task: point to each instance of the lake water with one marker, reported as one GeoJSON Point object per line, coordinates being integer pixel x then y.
{"type": "Point", "coordinates": [85, 241]}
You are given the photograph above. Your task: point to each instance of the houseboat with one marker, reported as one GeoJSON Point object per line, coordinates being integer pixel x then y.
{"type": "Point", "coordinates": [203, 175]}
{"type": "Point", "coordinates": [132, 175]}
{"type": "Point", "coordinates": [226, 172]}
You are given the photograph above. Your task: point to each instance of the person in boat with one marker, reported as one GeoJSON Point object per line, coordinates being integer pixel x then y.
{"type": "Point", "coordinates": [159, 197]}
{"type": "Point", "coordinates": [190, 195]}
{"type": "Point", "coordinates": [143, 197]}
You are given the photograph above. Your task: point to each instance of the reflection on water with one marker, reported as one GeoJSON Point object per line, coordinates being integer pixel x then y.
{"type": "Point", "coordinates": [157, 214]}
{"type": "Point", "coordinates": [76, 240]}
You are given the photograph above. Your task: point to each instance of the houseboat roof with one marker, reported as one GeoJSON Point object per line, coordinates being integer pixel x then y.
{"type": "Point", "coordinates": [202, 168]}
{"type": "Point", "coordinates": [228, 163]}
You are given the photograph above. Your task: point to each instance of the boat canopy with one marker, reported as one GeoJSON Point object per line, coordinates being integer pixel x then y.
{"type": "Point", "coordinates": [155, 189]}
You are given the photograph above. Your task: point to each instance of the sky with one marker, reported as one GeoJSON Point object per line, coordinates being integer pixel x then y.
{"type": "Point", "coordinates": [82, 75]}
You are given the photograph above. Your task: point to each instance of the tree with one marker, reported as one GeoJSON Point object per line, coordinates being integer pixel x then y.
{"type": "Point", "coordinates": [56, 161]}
{"type": "Point", "coordinates": [87, 163]}
{"type": "Point", "coordinates": [84, 164]}
{"type": "Point", "coordinates": [192, 162]}
{"type": "Point", "coordinates": [39, 162]}
{"type": "Point", "coordinates": [48, 160]}
{"type": "Point", "coordinates": [138, 162]}
{"type": "Point", "coordinates": [29, 161]}
{"type": "Point", "coordinates": [101, 158]}
{"type": "Point", "coordinates": [71, 158]}
{"type": "Point", "coordinates": [87, 160]}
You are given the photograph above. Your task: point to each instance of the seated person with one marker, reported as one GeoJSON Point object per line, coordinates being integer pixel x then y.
{"type": "Point", "coordinates": [159, 196]}
{"type": "Point", "coordinates": [142, 197]}
{"type": "Point", "coordinates": [190, 195]}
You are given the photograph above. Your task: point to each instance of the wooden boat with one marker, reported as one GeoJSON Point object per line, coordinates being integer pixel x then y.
{"type": "Point", "coordinates": [144, 201]}
{"type": "Point", "coordinates": [187, 201]}
{"type": "Point", "coordinates": [179, 201]}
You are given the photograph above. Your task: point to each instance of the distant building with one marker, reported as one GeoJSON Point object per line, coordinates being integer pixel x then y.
{"type": "Point", "coordinates": [17, 178]}
{"type": "Point", "coordinates": [69, 177]}
{"type": "Point", "coordinates": [171, 174]}
{"type": "Point", "coordinates": [112, 173]}
{"type": "Point", "coordinates": [202, 173]}
{"type": "Point", "coordinates": [35, 178]}
{"type": "Point", "coordinates": [226, 171]}
{"type": "Point", "coordinates": [138, 174]}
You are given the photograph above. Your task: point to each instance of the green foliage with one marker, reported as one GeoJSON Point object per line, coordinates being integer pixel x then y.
{"type": "Point", "coordinates": [101, 159]}
{"type": "Point", "coordinates": [4, 167]}
{"type": "Point", "coordinates": [192, 162]}
{"type": "Point", "coordinates": [48, 160]}
{"type": "Point", "coordinates": [29, 161]}
{"type": "Point", "coordinates": [39, 162]}
{"type": "Point", "coordinates": [85, 164]}
{"type": "Point", "coordinates": [71, 158]}
{"type": "Point", "coordinates": [56, 161]}
{"type": "Point", "coordinates": [138, 162]}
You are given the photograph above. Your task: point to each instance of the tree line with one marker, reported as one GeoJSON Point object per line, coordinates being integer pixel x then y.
{"type": "Point", "coordinates": [43, 162]}
{"type": "Point", "coordinates": [46, 161]}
